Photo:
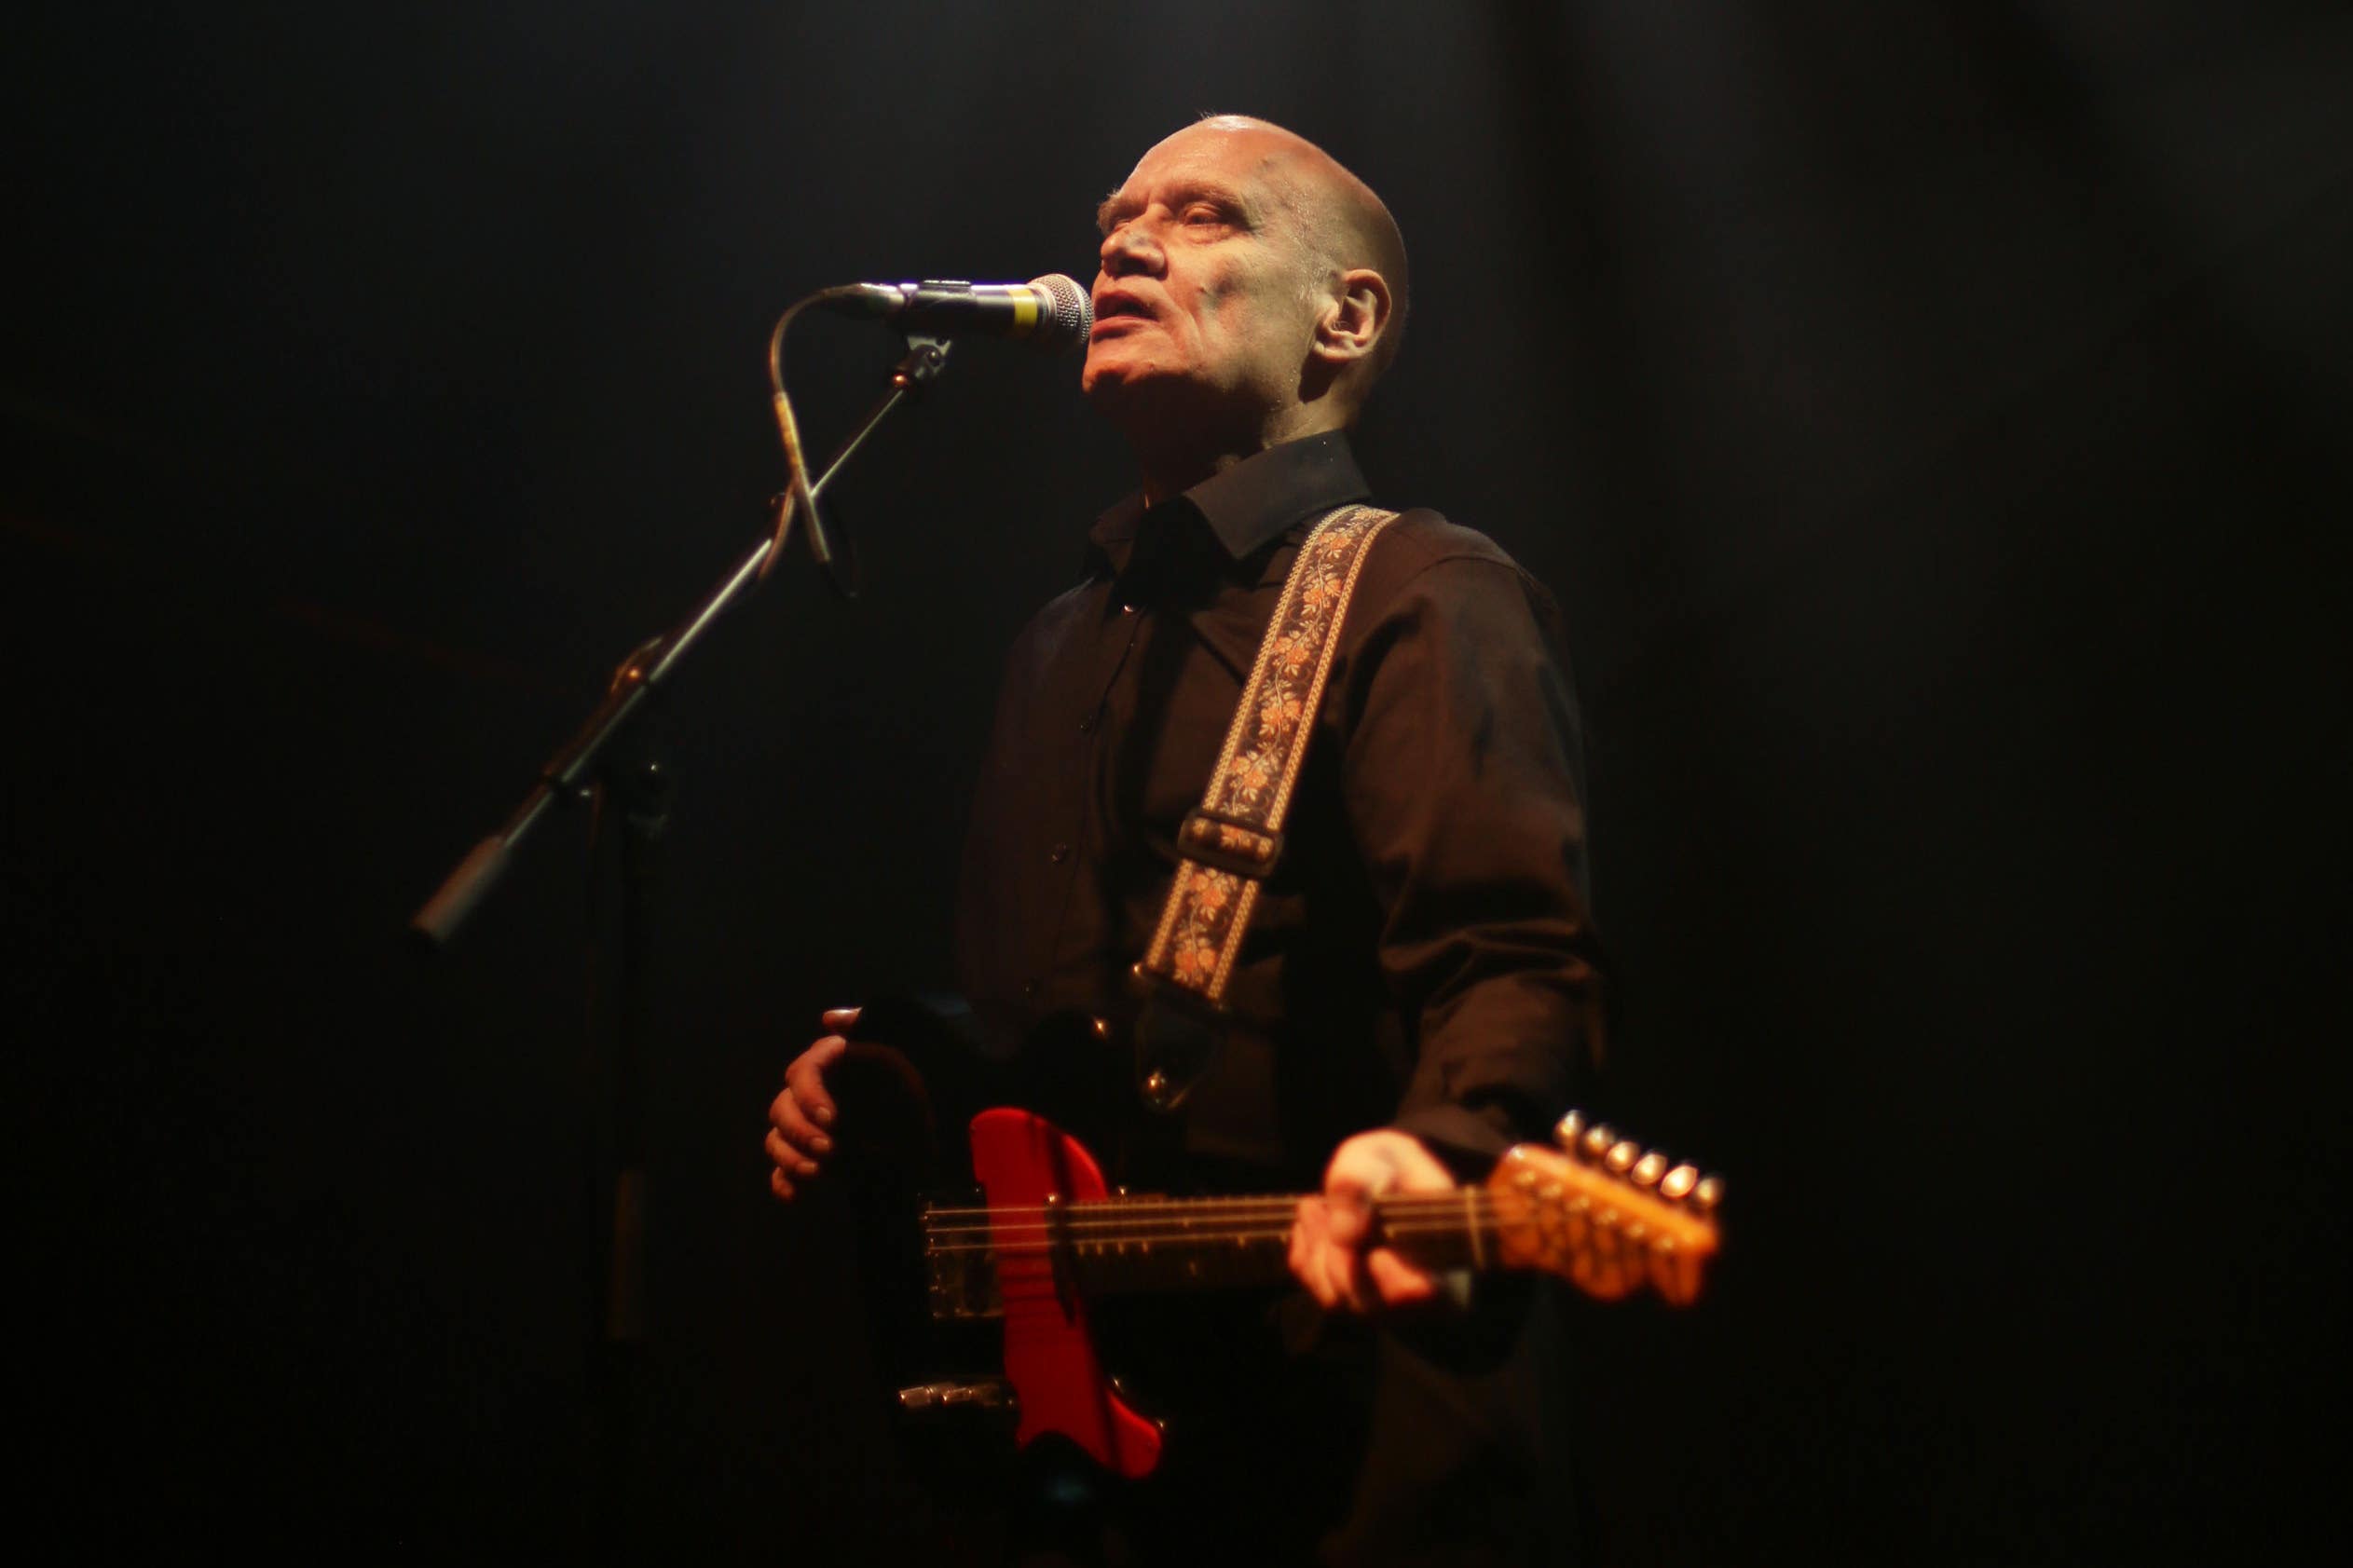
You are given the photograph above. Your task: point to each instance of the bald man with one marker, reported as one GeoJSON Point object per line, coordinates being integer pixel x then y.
{"type": "Point", "coordinates": [1420, 988]}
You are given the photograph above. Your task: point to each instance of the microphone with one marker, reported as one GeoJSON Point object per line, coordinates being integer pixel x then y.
{"type": "Point", "coordinates": [1052, 311]}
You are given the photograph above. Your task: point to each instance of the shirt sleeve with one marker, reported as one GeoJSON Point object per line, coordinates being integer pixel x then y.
{"type": "Point", "coordinates": [1464, 792]}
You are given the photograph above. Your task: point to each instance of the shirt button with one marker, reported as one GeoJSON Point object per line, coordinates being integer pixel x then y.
{"type": "Point", "coordinates": [1087, 724]}
{"type": "Point", "coordinates": [1127, 609]}
{"type": "Point", "coordinates": [1059, 853]}
{"type": "Point", "coordinates": [1029, 990]}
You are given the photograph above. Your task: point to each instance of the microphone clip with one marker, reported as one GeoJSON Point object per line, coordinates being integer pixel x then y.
{"type": "Point", "coordinates": [926, 357]}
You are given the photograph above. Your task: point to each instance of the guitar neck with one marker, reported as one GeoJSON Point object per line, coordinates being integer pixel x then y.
{"type": "Point", "coordinates": [1599, 1213]}
{"type": "Point", "coordinates": [1113, 1245]}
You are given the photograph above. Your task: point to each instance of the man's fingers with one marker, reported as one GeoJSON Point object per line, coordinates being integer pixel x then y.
{"type": "Point", "coordinates": [1344, 1270]}
{"type": "Point", "coordinates": [784, 1156]}
{"type": "Point", "coordinates": [1306, 1251]}
{"type": "Point", "coordinates": [806, 1077]}
{"type": "Point", "coordinates": [1332, 1252]}
{"type": "Point", "coordinates": [786, 1115]}
{"type": "Point", "coordinates": [798, 1117]}
{"type": "Point", "coordinates": [1329, 1271]}
{"type": "Point", "coordinates": [821, 1054]}
{"type": "Point", "coordinates": [1351, 1217]}
{"type": "Point", "coordinates": [1399, 1282]}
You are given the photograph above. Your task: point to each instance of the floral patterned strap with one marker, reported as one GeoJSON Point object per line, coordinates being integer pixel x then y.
{"type": "Point", "coordinates": [1231, 844]}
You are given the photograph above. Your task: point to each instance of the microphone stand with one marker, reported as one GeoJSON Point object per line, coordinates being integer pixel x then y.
{"type": "Point", "coordinates": [612, 762]}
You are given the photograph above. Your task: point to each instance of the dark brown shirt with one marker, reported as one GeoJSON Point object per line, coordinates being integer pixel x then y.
{"type": "Point", "coordinates": [1422, 957]}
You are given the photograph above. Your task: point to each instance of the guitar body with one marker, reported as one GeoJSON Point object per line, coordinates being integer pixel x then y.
{"type": "Point", "coordinates": [1028, 1168]}
{"type": "Point", "coordinates": [1001, 1381]}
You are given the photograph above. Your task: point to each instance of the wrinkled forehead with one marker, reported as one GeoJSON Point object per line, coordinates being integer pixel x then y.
{"type": "Point", "coordinates": [1259, 167]}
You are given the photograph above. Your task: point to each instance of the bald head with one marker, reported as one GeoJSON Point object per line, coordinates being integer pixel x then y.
{"type": "Point", "coordinates": [1346, 225]}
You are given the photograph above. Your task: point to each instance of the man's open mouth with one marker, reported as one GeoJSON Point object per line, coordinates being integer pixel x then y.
{"type": "Point", "coordinates": [1113, 308]}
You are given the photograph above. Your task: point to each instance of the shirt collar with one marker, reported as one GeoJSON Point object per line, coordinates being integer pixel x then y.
{"type": "Point", "coordinates": [1251, 504]}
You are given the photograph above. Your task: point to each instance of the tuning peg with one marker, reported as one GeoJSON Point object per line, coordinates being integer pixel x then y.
{"type": "Point", "coordinates": [1648, 1169]}
{"type": "Point", "coordinates": [1569, 1129]}
{"type": "Point", "coordinates": [1598, 1141]}
{"type": "Point", "coordinates": [1622, 1157]}
{"type": "Point", "coordinates": [1678, 1184]}
{"type": "Point", "coordinates": [1707, 1195]}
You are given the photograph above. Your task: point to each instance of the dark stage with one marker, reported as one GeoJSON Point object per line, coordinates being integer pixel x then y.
{"type": "Point", "coordinates": [1936, 421]}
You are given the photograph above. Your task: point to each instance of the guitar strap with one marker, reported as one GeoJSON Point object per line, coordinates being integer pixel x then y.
{"type": "Point", "coordinates": [1232, 842]}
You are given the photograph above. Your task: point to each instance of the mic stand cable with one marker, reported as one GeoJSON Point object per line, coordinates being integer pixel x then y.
{"type": "Point", "coordinates": [926, 357]}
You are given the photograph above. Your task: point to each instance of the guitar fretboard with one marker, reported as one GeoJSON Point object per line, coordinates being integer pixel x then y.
{"type": "Point", "coordinates": [1117, 1245]}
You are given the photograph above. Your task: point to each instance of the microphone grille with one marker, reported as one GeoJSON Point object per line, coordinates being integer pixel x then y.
{"type": "Point", "coordinates": [1070, 314]}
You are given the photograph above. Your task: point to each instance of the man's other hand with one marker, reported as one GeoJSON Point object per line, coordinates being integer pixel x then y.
{"type": "Point", "coordinates": [798, 1118]}
{"type": "Point", "coordinates": [1329, 1240]}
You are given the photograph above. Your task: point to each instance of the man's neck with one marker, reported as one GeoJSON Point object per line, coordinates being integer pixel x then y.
{"type": "Point", "coordinates": [1173, 469]}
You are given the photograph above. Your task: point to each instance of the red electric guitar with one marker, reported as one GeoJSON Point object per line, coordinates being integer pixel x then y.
{"type": "Point", "coordinates": [1050, 1238]}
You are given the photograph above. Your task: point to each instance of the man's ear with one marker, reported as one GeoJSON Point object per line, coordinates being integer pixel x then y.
{"type": "Point", "coordinates": [1354, 319]}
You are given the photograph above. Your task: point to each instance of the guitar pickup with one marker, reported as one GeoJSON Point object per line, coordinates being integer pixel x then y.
{"type": "Point", "coordinates": [959, 1267]}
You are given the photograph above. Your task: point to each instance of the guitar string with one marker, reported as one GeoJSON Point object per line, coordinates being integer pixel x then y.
{"type": "Point", "coordinates": [1044, 1238]}
{"type": "Point", "coordinates": [1036, 1252]}
{"type": "Point", "coordinates": [1125, 1206]}
{"type": "Point", "coordinates": [1044, 1245]}
{"type": "Point", "coordinates": [1453, 1219]}
{"type": "Point", "coordinates": [1453, 1212]}
{"type": "Point", "coordinates": [1449, 1211]}
{"type": "Point", "coordinates": [1451, 1199]}
{"type": "Point", "coordinates": [1391, 1224]}
{"type": "Point", "coordinates": [1097, 1210]}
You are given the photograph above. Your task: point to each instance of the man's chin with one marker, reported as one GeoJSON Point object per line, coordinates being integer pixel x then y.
{"type": "Point", "coordinates": [1115, 388]}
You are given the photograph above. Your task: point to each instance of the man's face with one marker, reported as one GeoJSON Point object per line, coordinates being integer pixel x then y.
{"type": "Point", "coordinates": [1203, 308]}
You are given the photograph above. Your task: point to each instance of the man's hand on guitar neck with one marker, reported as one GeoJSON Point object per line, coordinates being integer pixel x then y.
{"type": "Point", "coordinates": [798, 1118]}
{"type": "Point", "coordinates": [1328, 1239]}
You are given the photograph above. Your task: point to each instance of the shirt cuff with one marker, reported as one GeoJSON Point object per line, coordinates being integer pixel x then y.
{"type": "Point", "coordinates": [1467, 1143]}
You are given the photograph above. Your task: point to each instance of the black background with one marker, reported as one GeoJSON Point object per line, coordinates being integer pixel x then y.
{"type": "Point", "coordinates": [1933, 417]}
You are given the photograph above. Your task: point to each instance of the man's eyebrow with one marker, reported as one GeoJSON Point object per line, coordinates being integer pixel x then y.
{"type": "Point", "coordinates": [1116, 205]}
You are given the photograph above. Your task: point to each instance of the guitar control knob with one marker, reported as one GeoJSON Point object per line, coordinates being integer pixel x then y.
{"type": "Point", "coordinates": [1678, 1184]}
{"type": "Point", "coordinates": [1707, 1195]}
{"type": "Point", "coordinates": [1598, 1141]}
{"type": "Point", "coordinates": [1650, 1168]}
{"type": "Point", "coordinates": [1622, 1157]}
{"type": "Point", "coordinates": [1570, 1128]}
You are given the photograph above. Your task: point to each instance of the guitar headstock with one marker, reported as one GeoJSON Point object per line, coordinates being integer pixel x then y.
{"type": "Point", "coordinates": [1605, 1213]}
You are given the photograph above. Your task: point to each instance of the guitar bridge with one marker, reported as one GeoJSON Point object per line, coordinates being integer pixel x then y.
{"type": "Point", "coordinates": [960, 1264]}
{"type": "Point", "coordinates": [978, 1393]}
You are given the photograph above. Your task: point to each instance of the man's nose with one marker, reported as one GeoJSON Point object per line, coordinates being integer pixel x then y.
{"type": "Point", "coordinates": [1131, 247]}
